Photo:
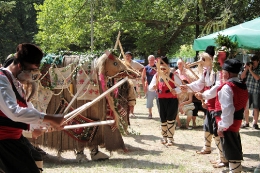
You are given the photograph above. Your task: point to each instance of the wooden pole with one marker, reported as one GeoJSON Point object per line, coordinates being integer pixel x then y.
{"type": "Point", "coordinates": [99, 123]}
{"type": "Point", "coordinates": [117, 40]}
{"type": "Point", "coordinates": [76, 95]}
{"type": "Point", "coordinates": [77, 111]}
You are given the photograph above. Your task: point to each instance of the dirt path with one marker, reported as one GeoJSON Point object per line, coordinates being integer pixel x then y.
{"type": "Point", "coordinates": [147, 154]}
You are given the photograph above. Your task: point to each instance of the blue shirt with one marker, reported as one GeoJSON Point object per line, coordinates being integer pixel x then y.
{"type": "Point", "coordinates": [150, 72]}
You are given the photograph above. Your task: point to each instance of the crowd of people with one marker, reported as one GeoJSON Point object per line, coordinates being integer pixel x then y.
{"type": "Point", "coordinates": [216, 93]}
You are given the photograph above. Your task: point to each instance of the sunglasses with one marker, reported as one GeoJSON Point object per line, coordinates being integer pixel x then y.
{"type": "Point", "coordinates": [163, 69]}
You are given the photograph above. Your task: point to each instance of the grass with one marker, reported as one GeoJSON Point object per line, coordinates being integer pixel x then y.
{"type": "Point", "coordinates": [147, 154]}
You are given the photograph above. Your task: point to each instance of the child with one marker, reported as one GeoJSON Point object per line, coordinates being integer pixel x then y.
{"type": "Point", "coordinates": [230, 104]}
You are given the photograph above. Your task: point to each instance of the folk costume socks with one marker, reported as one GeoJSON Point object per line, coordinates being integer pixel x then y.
{"type": "Point", "coordinates": [207, 141]}
{"type": "Point", "coordinates": [39, 165]}
{"type": "Point", "coordinates": [164, 132]}
{"type": "Point", "coordinates": [220, 150]}
{"type": "Point", "coordinates": [170, 131]}
{"type": "Point", "coordinates": [235, 166]}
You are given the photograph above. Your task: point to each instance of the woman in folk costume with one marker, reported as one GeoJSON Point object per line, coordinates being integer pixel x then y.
{"type": "Point", "coordinates": [209, 81]}
{"type": "Point", "coordinates": [16, 114]}
{"type": "Point", "coordinates": [165, 83]}
{"type": "Point", "coordinates": [230, 104]}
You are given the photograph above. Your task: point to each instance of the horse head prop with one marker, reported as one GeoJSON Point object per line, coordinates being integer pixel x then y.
{"type": "Point", "coordinates": [112, 67]}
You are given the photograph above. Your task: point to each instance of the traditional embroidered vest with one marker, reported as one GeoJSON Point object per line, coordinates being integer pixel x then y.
{"type": "Point", "coordinates": [239, 99]}
{"type": "Point", "coordinates": [8, 128]}
{"type": "Point", "coordinates": [163, 90]}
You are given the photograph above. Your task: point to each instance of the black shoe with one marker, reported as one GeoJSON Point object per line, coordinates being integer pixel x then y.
{"type": "Point", "coordinates": [245, 125]}
{"type": "Point", "coordinates": [255, 126]}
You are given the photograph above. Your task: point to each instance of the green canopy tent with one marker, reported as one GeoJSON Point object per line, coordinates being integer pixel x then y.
{"type": "Point", "coordinates": [246, 34]}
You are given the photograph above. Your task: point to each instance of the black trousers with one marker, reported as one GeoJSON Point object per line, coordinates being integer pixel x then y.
{"type": "Point", "coordinates": [18, 156]}
{"type": "Point", "coordinates": [168, 109]}
{"type": "Point", "coordinates": [232, 147]}
{"type": "Point", "coordinates": [210, 124]}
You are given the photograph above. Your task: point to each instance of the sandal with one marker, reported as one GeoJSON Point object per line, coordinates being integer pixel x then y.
{"type": "Point", "coordinates": [189, 128]}
{"type": "Point", "coordinates": [215, 161]}
{"type": "Point", "coordinates": [163, 141]}
{"type": "Point", "coordinates": [132, 115]}
{"type": "Point", "coordinates": [169, 143]}
{"type": "Point", "coordinates": [220, 165]}
{"type": "Point", "coordinates": [203, 152]}
{"type": "Point", "coordinates": [150, 116]}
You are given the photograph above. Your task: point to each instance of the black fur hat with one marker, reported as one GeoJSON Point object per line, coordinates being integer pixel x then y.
{"type": "Point", "coordinates": [165, 59]}
{"type": "Point", "coordinates": [232, 65]}
{"type": "Point", "coordinates": [210, 50]}
{"type": "Point", "coordinates": [27, 52]}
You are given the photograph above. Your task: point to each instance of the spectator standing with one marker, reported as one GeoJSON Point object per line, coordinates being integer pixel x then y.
{"type": "Point", "coordinates": [252, 75]}
{"type": "Point", "coordinates": [147, 75]}
{"type": "Point", "coordinates": [138, 67]}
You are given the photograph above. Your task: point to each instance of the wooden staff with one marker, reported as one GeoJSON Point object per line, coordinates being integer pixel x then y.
{"type": "Point", "coordinates": [77, 111]}
{"type": "Point", "coordinates": [76, 95]}
{"type": "Point", "coordinates": [192, 73]}
{"type": "Point", "coordinates": [163, 76]}
{"type": "Point", "coordinates": [99, 123]}
{"type": "Point", "coordinates": [117, 40]}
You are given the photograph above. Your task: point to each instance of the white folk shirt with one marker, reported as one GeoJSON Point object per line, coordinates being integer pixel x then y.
{"type": "Point", "coordinates": [9, 106]}
{"type": "Point", "coordinates": [225, 96]}
{"type": "Point", "coordinates": [203, 81]}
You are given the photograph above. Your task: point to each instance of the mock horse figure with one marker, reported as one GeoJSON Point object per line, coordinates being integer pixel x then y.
{"type": "Point", "coordinates": [104, 69]}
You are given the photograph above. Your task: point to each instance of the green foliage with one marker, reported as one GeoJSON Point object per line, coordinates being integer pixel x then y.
{"type": "Point", "coordinates": [147, 27]}
{"type": "Point", "coordinates": [223, 14]}
{"type": "Point", "coordinates": [224, 44]}
{"type": "Point", "coordinates": [17, 24]}
{"type": "Point", "coordinates": [225, 41]}
{"type": "Point", "coordinates": [184, 52]}
{"type": "Point", "coordinates": [6, 7]}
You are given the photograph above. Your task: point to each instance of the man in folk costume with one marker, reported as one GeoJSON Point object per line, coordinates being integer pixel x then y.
{"type": "Point", "coordinates": [165, 83]}
{"type": "Point", "coordinates": [16, 114]}
{"type": "Point", "coordinates": [209, 82]}
{"type": "Point", "coordinates": [230, 104]}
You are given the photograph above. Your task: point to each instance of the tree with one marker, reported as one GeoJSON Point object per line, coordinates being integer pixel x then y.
{"type": "Point", "coordinates": [148, 27]}
{"type": "Point", "coordinates": [17, 24]}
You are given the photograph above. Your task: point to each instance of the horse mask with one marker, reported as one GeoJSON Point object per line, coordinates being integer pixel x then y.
{"type": "Point", "coordinates": [111, 66]}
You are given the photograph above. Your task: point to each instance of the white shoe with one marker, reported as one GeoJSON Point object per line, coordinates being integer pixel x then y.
{"type": "Point", "coordinates": [99, 156]}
